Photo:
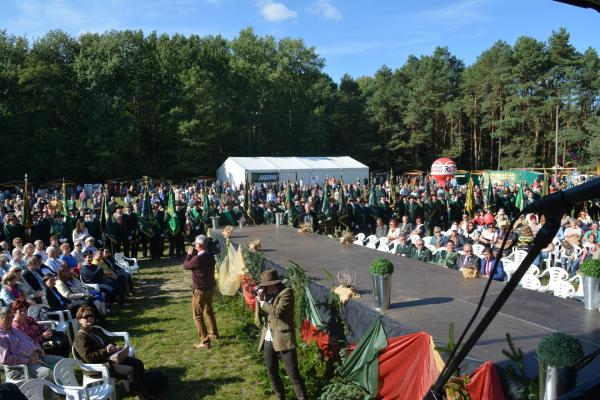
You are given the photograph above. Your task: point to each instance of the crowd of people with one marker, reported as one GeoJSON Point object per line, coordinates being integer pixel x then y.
{"type": "Point", "coordinates": [61, 255]}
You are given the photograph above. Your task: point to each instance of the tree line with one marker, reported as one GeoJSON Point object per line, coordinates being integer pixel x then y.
{"type": "Point", "coordinates": [127, 104]}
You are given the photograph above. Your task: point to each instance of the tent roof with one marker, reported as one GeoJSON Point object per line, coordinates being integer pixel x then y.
{"type": "Point", "coordinates": [297, 163]}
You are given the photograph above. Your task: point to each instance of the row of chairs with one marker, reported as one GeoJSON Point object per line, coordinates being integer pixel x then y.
{"type": "Point", "coordinates": [65, 381]}
{"type": "Point", "coordinates": [65, 377]}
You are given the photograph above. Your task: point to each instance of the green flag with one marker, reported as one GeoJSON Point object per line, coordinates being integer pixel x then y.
{"type": "Point", "coordinates": [205, 206]}
{"type": "Point", "coordinates": [520, 200]}
{"type": "Point", "coordinates": [362, 367]}
{"type": "Point", "coordinates": [489, 196]}
{"type": "Point", "coordinates": [68, 219]}
{"type": "Point", "coordinates": [171, 217]}
{"type": "Point", "coordinates": [470, 201]}
{"type": "Point", "coordinates": [545, 187]}
{"type": "Point", "coordinates": [310, 310]}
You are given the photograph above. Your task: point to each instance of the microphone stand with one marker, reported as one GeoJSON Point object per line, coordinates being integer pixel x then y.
{"type": "Point", "coordinates": [547, 232]}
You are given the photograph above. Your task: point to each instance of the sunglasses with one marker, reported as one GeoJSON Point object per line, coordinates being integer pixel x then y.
{"type": "Point", "coordinates": [89, 316]}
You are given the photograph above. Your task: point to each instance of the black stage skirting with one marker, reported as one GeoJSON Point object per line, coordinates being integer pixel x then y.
{"type": "Point", "coordinates": [428, 298]}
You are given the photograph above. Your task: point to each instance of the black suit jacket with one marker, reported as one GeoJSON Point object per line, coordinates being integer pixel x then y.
{"type": "Point", "coordinates": [30, 278]}
{"type": "Point", "coordinates": [461, 261]}
{"type": "Point", "coordinates": [54, 298]}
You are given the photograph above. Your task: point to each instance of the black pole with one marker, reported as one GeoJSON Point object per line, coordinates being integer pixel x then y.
{"type": "Point", "coordinates": [544, 236]}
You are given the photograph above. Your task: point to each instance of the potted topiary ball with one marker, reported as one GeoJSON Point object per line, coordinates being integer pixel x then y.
{"type": "Point", "coordinates": [590, 269]}
{"type": "Point", "coordinates": [381, 270]}
{"type": "Point", "coordinates": [558, 353]}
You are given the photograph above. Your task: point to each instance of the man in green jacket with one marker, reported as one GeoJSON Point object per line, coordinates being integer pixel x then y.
{"type": "Point", "coordinates": [275, 310]}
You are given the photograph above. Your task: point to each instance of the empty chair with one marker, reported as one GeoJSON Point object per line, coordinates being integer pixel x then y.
{"type": "Point", "coordinates": [509, 267]}
{"type": "Point", "coordinates": [371, 245]}
{"type": "Point", "coordinates": [22, 368]}
{"type": "Point", "coordinates": [361, 237]}
{"type": "Point", "coordinates": [102, 388]}
{"type": "Point", "coordinates": [392, 245]}
{"type": "Point", "coordinates": [372, 239]}
{"type": "Point", "coordinates": [382, 240]}
{"type": "Point", "coordinates": [127, 263]}
{"type": "Point", "coordinates": [518, 256]}
{"type": "Point", "coordinates": [564, 289]}
{"type": "Point", "coordinates": [34, 390]}
{"type": "Point", "coordinates": [384, 247]}
{"type": "Point", "coordinates": [530, 282]}
{"type": "Point", "coordinates": [533, 270]}
{"type": "Point", "coordinates": [358, 242]}
{"type": "Point", "coordinates": [578, 295]}
{"type": "Point", "coordinates": [556, 275]}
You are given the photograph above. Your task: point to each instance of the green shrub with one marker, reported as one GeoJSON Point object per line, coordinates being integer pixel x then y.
{"type": "Point", "coordinates": [559, 350]}
{"type": "Point", "coordinates": [343, 390]}
{"type": "Point", "coordinates": [382, 266]}
{"type": "Point", "coordinates": [590, 267]}
{"type": "Point", "coordinates": [253, 260]}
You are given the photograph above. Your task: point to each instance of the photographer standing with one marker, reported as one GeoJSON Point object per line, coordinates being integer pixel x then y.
{"type": "Point", "coordinates": [278, 337]}
{"type": "Point", "coordinates": [202, 264]}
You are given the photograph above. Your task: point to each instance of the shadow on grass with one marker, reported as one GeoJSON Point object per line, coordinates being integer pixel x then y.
{"type": "Point", "coordinates": [192, 389]}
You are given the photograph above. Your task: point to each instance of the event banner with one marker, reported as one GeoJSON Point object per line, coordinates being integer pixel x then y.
{"type": "Point", "coordinates": [264, 177]}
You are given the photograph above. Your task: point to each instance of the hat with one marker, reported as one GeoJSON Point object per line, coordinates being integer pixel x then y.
{"type": "Point", "coordinates": [87, 253]}
{"type": "Point", "coordinates": [118, 206]}
{"type": "Point", "coordinates": [268, 278]}
{"type": "Point", "coordinates": [48, 276]}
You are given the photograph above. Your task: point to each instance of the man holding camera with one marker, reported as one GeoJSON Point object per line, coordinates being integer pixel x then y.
{"type": "Point", "coordinates": [275, 309]}
{"type": "Point", "coordinates": [202, 264]}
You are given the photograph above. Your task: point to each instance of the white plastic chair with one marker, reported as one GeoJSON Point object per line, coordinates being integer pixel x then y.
{"type": "Point", "coordinates": [427, 239]}
{"type": "Point", "coordinates": [57, 326]}
{"type": "Point", "coordinates": [34, 390]}
{"type": "Point", "coordinates": [128, 264]}
{"type": "Point", "coordinates": [531, 282]}
{"type": "Point", "coordinates": [564, 289]}
{"type": "Point", "coordinates": [394, 244]}
{"type": "Point", "coordinates": [371, 245]}
{"type": "Point", "coordinates": [414, 238]}
{"type": "Point", "coordinates": [64, 319]}
{"type": "Point", "coordinates": [384, 247]}
{"type": "Point", "coordinates": [578, 295]}
{"type": "Point", "coordinates": [96, 388]}
{"type": "Point", "coordinates": [518, 256]}
{"type": "Point", "coordinates": [478, 249]}
{"type": "Point", "coordinates": [509, 267]}
{"type": "Point", "coordinates": [124, 335]}
{"type": "Point", "coordinates": [382, 240]}
{"type": "Point", "coordinates": [372, 239]}
{"type": "Point", "coordinates": [533, 270]}
{"type": "Point", "coordinates": [93, 286]}
{"type": "Point", "coordinates": [556, 276]}
{"type": "Point", "coordinates": [358, 242]}
{"type": "Point", "coordinates": [23, 369]}
{"type": "Point", "coordinates": [360, 236]}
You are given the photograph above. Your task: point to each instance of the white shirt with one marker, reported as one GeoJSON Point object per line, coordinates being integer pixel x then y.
{"type": "Point", "coordinates": [42, 254]}
{"type": "Point", "coordinates": [268, 336]}
{"type": "Point", "coordinates": [54, 264]}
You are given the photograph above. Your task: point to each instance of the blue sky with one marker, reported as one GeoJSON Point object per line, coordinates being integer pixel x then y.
{"type": "Point", "coordinates": [354, 36]}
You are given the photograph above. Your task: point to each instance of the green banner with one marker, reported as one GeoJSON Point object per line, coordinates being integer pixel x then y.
{"type": "Point", "coordinates": [264, 177]}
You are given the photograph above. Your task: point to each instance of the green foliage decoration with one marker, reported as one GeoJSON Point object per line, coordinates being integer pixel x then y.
{"type": "Point", "coordinates": [382, 266]}
{"type": "Point", "coordinates": [341, 389]}
{"type": "Point", "coordinates": [590, 267]}
{"type": "Point", "coordinates": [253, 260]}
{"type": "Point", "coordinates": [517, 383]}
{"type": "Point", "coordinates": [559, 350]}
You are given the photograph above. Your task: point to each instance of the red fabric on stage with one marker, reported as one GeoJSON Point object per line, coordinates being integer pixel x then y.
{"type": "Point", "coordinates": [485, 384]}
{"type": "Point", "coordinates": [311, 333]}
{"type": "Point", "coordinates": [407, 367]}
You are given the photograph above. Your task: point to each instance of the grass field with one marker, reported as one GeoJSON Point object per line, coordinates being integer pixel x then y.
{"type": "Point", "coordinates": [160, 324]}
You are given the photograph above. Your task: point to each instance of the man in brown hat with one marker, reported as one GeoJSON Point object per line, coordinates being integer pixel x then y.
{"type": "Point", "coordinates": [278, 338]}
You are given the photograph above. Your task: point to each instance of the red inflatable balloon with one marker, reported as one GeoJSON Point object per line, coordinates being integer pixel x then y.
{"type": "Point", "coordinates": [489, 219]}
{"type": "Point", "coordinates": [442, 169]}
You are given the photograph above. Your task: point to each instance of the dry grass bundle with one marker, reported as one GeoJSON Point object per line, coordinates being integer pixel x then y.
{"type": "Point", "coordinates": [255, 245]}
{"type": "Point", "coordinates": [305, 227]}
{"type": "Point", "coordinates": [345, 293]}
{"type": "Point", "coordinates": [227, 231]}
{"type": "Point", "coordinates": [470, 273]}
{"type": "Point", "coordinates": [347, 237]}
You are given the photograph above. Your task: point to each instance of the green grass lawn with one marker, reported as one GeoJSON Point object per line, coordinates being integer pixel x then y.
{"type": "Point", "coordinates": [159, 320]}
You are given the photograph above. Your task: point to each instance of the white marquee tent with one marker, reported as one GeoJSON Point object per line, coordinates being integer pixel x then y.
{"type": "Point", "coordinates": [308, 169]}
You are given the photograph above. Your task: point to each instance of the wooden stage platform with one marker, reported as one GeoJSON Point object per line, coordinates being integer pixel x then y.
{"type": "Point", "coordinates": [428, 297]}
